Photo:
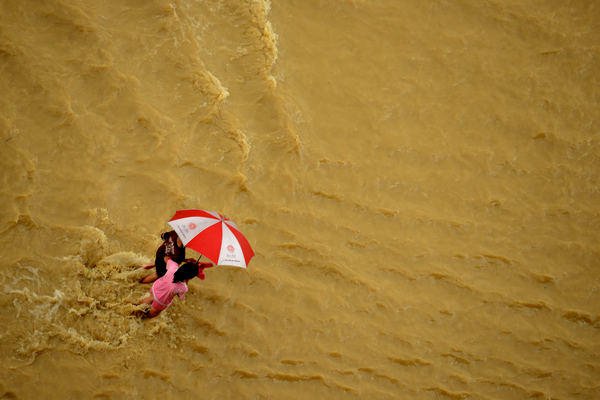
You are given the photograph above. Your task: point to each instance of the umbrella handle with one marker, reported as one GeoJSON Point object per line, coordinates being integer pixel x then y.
{"type": "Point", "coordinates": [198, 260]}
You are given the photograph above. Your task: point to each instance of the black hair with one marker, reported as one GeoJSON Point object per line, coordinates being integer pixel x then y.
{"type": "Point", "coordinates": [186, 271]}
{"type": "Point", "coordinates": [166, 235]}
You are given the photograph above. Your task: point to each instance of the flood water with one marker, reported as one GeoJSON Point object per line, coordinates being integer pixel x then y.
{"type": "Point", "coordinates": [419, 180]}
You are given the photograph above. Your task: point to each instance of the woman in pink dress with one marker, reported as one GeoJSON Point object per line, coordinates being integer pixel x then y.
{"type": "Point", "coordinates": [172, 283]}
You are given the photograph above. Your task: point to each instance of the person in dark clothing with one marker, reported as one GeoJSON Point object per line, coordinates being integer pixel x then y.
{"type": "Point", "coordinates": [171, 248]}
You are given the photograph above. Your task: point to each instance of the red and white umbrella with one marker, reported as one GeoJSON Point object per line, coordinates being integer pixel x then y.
{"type": "Point", "coordinates": [212, 235]}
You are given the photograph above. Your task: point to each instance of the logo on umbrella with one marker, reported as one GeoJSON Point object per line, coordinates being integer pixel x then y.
{"type": "Point", "coordinates": [192, 226]}
{"type": "Point", "coordinates": [230, 248]}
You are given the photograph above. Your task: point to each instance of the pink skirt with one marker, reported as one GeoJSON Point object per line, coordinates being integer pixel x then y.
{"type": "Point", "coordinates": [157, 305]}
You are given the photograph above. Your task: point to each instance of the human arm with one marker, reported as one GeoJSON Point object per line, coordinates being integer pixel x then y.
{"type": "Point", "coordinates": [181, 291]}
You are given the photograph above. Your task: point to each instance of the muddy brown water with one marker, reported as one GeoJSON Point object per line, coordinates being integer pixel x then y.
{"type": "Point", "coordinates": [419, 181]}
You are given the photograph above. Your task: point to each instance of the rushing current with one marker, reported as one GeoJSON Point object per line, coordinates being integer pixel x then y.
{"type": "Point", "coordinates": [419, 180]}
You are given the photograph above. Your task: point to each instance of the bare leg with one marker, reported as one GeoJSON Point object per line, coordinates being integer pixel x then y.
{"type": "Point", "coordinates": [148, 266]}
{"type": "Point", "coordinates": [153, 313]}
{"type": "Point", "coordinates": [149, 278]}
{"type": "Point", "coordinates": [142, 313]}
{"type": "Point", "coordinates": [150, 314]}
{"type": "Point", "coordinates": [146, 300]}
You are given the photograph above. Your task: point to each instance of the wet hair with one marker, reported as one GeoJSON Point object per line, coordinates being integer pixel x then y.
{"type": "Point", "coordinates": [166, 235]}
{"type": "Point", "coordinates": [186, 271]}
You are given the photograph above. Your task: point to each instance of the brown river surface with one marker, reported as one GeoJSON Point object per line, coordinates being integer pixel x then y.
{"type": "Point", "coordinates": [419, 179]}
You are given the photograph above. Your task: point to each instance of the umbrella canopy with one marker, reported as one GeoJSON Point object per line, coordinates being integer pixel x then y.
{"type": "Point", "coordinates": [212, 235]}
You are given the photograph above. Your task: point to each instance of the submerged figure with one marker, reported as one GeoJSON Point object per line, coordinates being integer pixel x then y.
{"type": "Point", "coordinates": [172, 283]}
{"type": "Point", "coordinates": [172, 248]}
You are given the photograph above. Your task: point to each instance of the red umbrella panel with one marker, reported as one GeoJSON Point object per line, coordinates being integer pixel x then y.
{"type": "Point", "coordinates": [212, 235]}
